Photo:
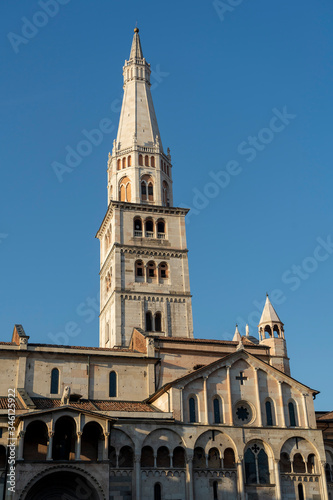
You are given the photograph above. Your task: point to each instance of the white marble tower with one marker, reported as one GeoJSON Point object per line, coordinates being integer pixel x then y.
{"type": "Point", "coordinates": [144, 277]}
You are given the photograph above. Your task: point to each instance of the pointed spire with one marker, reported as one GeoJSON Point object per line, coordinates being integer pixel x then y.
{"type": "Point", "coordinates": [237, 336]}
{"type": "Point", "coordinates": [136, 50]}
{"type": "Point", "coordinates": [269, 314]}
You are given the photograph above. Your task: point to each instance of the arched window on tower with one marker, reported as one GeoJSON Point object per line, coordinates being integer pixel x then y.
{"type": "Point", "coordinates": [139, 271]}
{"type": "Point", "coordinates": [129, 161]}
{"type": "Point", "coordinates": [124, 162]}
{"type": "Point", "coordinates": [152, 161]}
{"type": "Point", "coordinates": [292, 414]}
{"type": "Point", "coordinates": [150, 191]}
{"type": "Point", "coordinates": [192, 409]}
{"type": "Point", "coordinates": [158, 322]}
{"type": "Point", "coordinates": [163, 272]}
{"type": "Point", "coordinates": [140, 160]}
{"type": "Point", "coordinates": [151, 272]}
{"type": "Point", "coordinates": [113, 384]}
{"type": "Point", "coordinates": [143, 191]}
{"type": "Point", "coordinates": [138, 227]}
{"type": "Point", "coordinates": [149, 321]}
{"type": "Point", "coordinates": [147, 161]}
{"type": "Point", "coordinates": [161, 229]}
{"type": "Point", "coordinates": [149, 228]}
{"type": "Point", "coordinates": [125, 189]}
{"type": "Point", "coordinates": [119, 164]}
{"type": "Point", "coordinates": [54, 381]}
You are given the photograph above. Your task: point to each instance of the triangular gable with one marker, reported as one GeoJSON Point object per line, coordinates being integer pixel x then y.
{"type": "Point", "coordinates": [229, 360]}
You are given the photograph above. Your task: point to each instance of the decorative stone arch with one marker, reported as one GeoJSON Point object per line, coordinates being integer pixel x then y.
{"type": "Point", "coordinates": [119, 440]}
{"type": "Point", "coordinates": [163, 437]}
{"type": "Point", "coordinates": [221, 441]}
{"type": "Point", "coordinates": [298, 444]}
{"type": "Point", "coordinates": [40, 484]}
{"type": "Point", "coordinates": [258, 462]}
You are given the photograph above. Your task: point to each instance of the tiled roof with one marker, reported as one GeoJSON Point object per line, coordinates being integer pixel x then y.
{"type": "Point", "coordinates": [122, 349]}
{"type": "Point", "coordinates": [123, 406]}
{"type": "Point", "coordinates": [4, 404]}
{"type": "Point", "coordinates": [94, 405]}
{"type": "Point", "coordinates": [207, 341]}
{"type": "Point", "coordinates": [7, 343]}
{"type": "Point", "coordinates": [326, 416]}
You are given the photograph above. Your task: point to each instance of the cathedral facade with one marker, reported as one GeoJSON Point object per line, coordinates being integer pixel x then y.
{"type": "Point", "coordinates": [154, 413]}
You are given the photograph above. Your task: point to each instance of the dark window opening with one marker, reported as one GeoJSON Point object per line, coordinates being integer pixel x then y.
{"type": "Point", "coordinates": [113, 385]}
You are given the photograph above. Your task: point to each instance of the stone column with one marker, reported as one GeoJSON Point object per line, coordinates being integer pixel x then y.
{"type": "Point", "coordinates": [189, 479]}
{"type": "Point", "coordinates": [240, 478]}
{"type": "Point", "coordinates": [155, 461]}
{"type": "Point", "coordinates": [20, 445]}
{"type": "Point", "coordinates": [258, 396]}
{"type": "Point", "coordinates": [324, 489]}
{"type": "Point", "coordinates": [106, 446]}
{"type": "Point", "coordinates": [231, 422]}
{"type": "Point", "coordinates": [50, 446]}
{"type": "Point", "coordinates": [305, 410]}
{"type": "Point", "coordinates": [78, 445]}
{"type": "Point", "coordinates": [181, 403]}
{"type": "Point", "coordinates": [277, 479]}
{"type": "Point", "coordinates": [171, 460]}
{"type": "Point", "coordinates": [137, 471]}
{"type": "Point", "coordinates": [205, 400]}
{"type": "Point", "coordinates": [283, 420]}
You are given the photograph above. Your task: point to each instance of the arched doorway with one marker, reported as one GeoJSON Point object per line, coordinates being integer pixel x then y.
{"type": "Point", "coordinates": [60, 485]}
{"type": "Point", "coordinates": [64, 439]}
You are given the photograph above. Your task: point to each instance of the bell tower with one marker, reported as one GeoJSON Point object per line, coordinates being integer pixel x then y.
{"type": "Point", "coordinates": [144, 276]}
{"type": "Point", "coordinates": [271, 333]}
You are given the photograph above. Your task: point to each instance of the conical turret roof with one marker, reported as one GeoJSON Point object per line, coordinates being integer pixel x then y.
{"type": "Point", "coordinates": [136, 50]}
{"type": "Point", "coordinates": [269, 315]}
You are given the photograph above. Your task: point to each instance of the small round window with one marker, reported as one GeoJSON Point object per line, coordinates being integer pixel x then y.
{"type": "Point", "coordinates": [242, 413]}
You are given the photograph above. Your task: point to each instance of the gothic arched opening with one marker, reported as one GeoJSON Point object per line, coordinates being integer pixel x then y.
{"type": "Point", "coordinates": [62, 484]}
{"type": "Point", "coordinates": [126, 457]}
{"type": "Point", "coordinates": [163, 458]}
{"type": "Point", "coordinates": [35, 441]}
{"type": "Point", "coordinates": [91, 439]}
{"type": "Point", "coordinates": [147, 457]}
{"type": "Point", "coordinates": [64, 439]}
{"type": "Point", "coordinates": [179, 461]}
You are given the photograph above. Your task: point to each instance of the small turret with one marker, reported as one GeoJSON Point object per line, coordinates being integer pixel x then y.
{"type": "Point", "coordinates": [237, 336]}
{"type": "Point", "coordinates": [271, 333]}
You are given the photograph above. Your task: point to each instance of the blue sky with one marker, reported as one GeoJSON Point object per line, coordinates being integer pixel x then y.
{"type": "Point", "coordinates": [219, 81]}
